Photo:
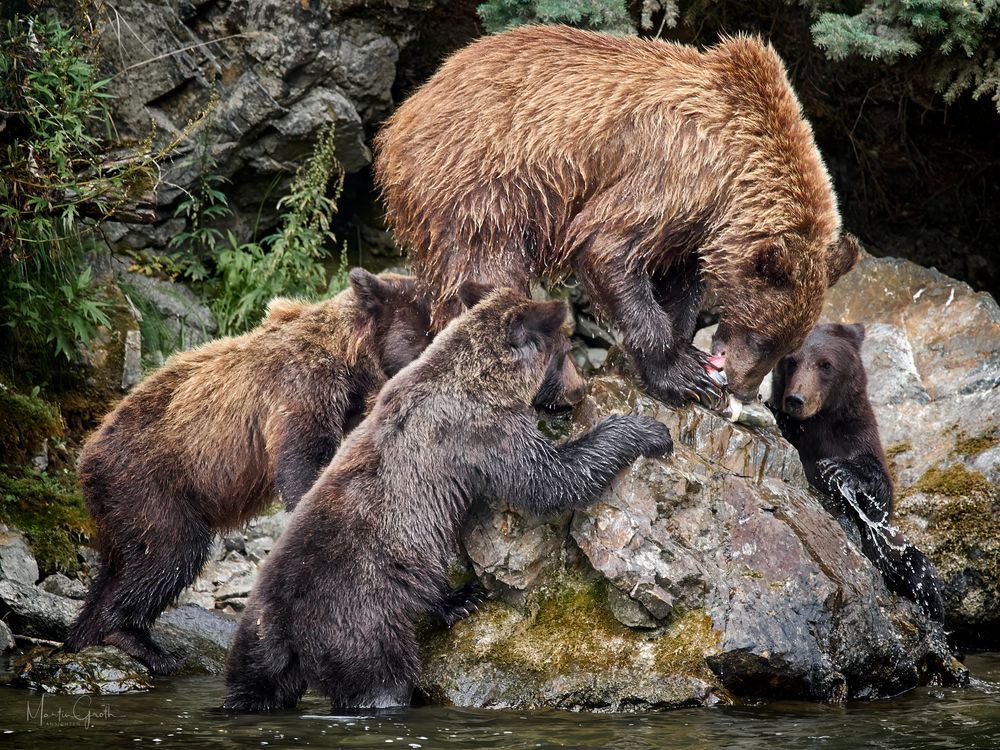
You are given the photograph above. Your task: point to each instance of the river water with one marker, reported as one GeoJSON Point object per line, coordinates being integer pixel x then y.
{"type": "Point", "coordinates": [179, 714]}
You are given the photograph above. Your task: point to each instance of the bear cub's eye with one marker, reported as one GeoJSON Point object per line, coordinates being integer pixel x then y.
{"type": "Point", "coordinates": [826, 367]}
{"type": "Point", "coordinates": [791, 364]}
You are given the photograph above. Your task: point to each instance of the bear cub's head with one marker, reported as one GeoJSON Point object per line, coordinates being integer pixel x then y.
{"type": "Point", "coordinates": [396, 313]}
{"type": "Point", "coordinates": [533, 330]}
{"type": "Point", "coordinates": [824, 375]}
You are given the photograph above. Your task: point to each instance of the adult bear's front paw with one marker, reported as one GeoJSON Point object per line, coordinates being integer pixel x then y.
{"type": "Point", "coordinates": [685, 380]}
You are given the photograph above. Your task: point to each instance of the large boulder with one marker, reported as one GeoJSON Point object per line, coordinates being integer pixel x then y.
{"type": "Point", "coordinates": [711, 574]}
{"type": "Point", "coordinates": [932, 353]}
{"type": "Point", "coordinates": [271, 74]}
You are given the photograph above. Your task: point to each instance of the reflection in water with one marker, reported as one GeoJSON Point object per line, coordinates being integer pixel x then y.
{"type": "Point", "coordinates": [179, 714]}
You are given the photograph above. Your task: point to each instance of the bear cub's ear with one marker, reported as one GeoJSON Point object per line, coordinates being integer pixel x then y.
{"type": "Point", "coordinates": [537, 322]}
{"type": "Point", "coordinates": [473, 292]}
{"type": "Point", "coordinates": [371, 291]}
{"type": "Point", "coordinates": [841, 257]}
{"type": "Point", "coordinates": [853, 332]}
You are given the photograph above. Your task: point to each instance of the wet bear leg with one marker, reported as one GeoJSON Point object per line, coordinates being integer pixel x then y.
{"type": "Point", "coordinates": [378, 669]}
{"type": "Point", "coordinates": [152, 573]}
{"type": "Point", "coordinates": [90, 627]}
{"type": "Point", "coordinates": [262, 675]}
{"type": "Point", "coordinates": [656, 321]}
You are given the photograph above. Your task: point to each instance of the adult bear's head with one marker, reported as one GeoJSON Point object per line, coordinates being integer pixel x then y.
{"type": "Point", "coordinates": [770, 301]}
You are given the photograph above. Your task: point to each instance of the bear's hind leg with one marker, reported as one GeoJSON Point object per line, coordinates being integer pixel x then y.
{"type": "Point", "coordinates": [89, 627]}
{"type": "Point", "coordinates": [151, 576]}
{"type": "Point", "coordinates": [380, 670]}
{"type": "Point", "coordinates": [261, 675]}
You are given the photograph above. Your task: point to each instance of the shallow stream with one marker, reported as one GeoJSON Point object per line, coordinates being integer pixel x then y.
{"type": "Point", "coordinates": [179, 714]}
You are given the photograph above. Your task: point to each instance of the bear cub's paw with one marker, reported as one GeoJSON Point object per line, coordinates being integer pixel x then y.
{"type": "Point", "coordinates": [653, 437]}
{"type": "Point", "coordinates": [461, 602]}
{"type": "Point", "coordinates": [837, 479]}
{"type": "Point", "coordinates": [685, 380]}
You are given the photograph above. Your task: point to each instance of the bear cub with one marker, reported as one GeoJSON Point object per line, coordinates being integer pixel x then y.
{"type": "Point", "coordinates": [206, 442]}
{"type": "Point", "coordinates": [819, 396]}
{"type": "Point", "coordinates": [365, 554]}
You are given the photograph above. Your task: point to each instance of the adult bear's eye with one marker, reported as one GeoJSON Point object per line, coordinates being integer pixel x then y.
{"type": "Point", "coordinates": [791, 364]}
{"type": "Point", "coordinates": [826, 367]}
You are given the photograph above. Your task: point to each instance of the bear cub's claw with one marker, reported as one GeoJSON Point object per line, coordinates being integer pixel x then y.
{"type": "Point", "coordinates": [461, 602]}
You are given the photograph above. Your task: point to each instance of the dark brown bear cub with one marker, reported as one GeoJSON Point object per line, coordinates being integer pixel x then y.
{"type": "Point", "coordinates": [820, 398]}
{"type": "Point", "coordinates": [366, 552]}
{"type": "Point", "coordinates": [203, 444]}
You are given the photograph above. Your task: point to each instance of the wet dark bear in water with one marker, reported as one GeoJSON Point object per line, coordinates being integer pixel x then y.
{"type": "Point", "coordinates": [820, 398]}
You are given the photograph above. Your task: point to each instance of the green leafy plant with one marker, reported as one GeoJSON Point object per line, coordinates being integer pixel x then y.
{"type": "Point", "coordinates": [57, 180]}
{"type": "Point", "coordinates": [960, 38]}
{"type": "Point", "coordinates": [290, 261]}
{"type": "Point", "coordinates": [603, 15]}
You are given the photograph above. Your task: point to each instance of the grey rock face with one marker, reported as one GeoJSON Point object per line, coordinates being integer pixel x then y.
{"type": "Point", "coordinates": [932, 352]}
{"type": "Point", "coordinates": [6, 638]}
{"type": "Point", "coordinates": [273, 72]}
{"type": "Point", "coordinates": [16, 561]}
{"type": "Point", "coordinates": [714, 573]}
{"type": "Point", "coordinates": [229, 575]}
{"type": "Point", "coordinates": [60, 585]}
{"type": "Point", "coordinates": [33, 612]}
{"type": "Point", "coordinates": [199, 636]}
{"type": "Point", "coordinates": [188, 320]}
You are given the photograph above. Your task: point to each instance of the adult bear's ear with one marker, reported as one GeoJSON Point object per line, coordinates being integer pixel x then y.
{"type": "Point", "coordinates": [536, 322]}
{"type": "Point", "coordinates": [842, 256]}
{"type": "Point", "coordinates": [473, 292]}
{"type": "Point", "coordinates": [370, 291]}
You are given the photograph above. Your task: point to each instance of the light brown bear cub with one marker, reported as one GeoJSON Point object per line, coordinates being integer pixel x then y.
{"type": "Point", "coordinates": [646, 168]}
{"type": "Point", "coordinates": [204, 444]}
{"type": "Point", "coordinates": [366, 552]}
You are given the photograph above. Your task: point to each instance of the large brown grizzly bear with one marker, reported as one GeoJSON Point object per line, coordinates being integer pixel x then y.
{"type": "Point", "coordinates": [366, 552]}
{"type": "Point", "coordinates": [203, 444]}
{"type": "Point", "coordinates": [819, 395]}
{"type": "Point", "coordinates": [643, 166]}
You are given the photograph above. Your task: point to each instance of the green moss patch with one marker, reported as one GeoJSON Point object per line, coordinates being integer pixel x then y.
{"type": "Point", "coordinates": [975, 445]}
{"type": "Point", "coordinates": [897, 448]}
{"type": "Point", "coordinates": [50, 512]}
{"type": "Point", "coordinates": [570, 629]}
{"type": "Point", "coordinates": [25, 422]}
{"type": "Point", "coordinates": [953, 481]}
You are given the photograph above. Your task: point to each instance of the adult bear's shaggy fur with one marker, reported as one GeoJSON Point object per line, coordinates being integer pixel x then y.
{"type": "Point", "coordinates": [642, 166]}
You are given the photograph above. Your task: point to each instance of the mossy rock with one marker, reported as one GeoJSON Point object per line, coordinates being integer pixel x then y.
{"type": "Point", "coordinates": [51, 514]}
{"type": "Point", "coordinates": [98, 670]}
{"type": "Point", "coordinates": [565, 649]}
{"type": "Point", "coordinates": [26, 421]}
